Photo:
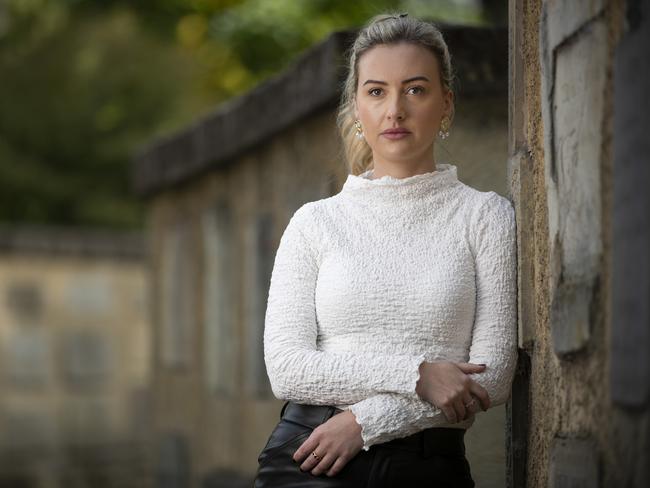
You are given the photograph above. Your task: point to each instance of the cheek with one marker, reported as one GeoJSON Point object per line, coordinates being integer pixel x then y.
{"type": "Point", "coordinates": [370, 120]}
{"type": "Point", "coordinates": [429, 118]}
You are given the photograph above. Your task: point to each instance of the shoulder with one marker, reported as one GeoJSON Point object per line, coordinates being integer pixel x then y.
{"type": "Point", "coordinates": [309, 214]}
{"type": "Point", "coordinates": [490, 216]}
{"type": "Point", "coordinates": [313, 221]}
{"type": "Point", "coordinates": [485, 204]}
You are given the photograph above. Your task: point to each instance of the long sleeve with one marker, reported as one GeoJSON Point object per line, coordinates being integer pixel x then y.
{"type": "Point", "coordinates": [297, 370]}
{"type": "Point", "coordinates": [387, 416]}
{"type": "Point", "coordinates": [494, 336]}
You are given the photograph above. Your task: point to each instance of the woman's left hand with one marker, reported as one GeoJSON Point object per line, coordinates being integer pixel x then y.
{"type": "Point", "coordinates": [335, 442]}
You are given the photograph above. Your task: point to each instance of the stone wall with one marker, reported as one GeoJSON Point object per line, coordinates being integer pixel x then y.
{"type": "Point", "coordinates": [570, 427]}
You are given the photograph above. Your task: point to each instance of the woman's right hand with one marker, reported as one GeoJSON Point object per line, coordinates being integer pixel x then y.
{"type": "Point", "coordinates": [447, 385]}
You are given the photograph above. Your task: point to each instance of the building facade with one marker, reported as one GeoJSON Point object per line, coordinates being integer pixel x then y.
{"type": "Point", "coordinates": [74, 359]}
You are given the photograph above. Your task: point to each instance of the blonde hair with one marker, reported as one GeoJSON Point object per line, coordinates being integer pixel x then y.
{"type": "Point", "coordinates": [384, 29]}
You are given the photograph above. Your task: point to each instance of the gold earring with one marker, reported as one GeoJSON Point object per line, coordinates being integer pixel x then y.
{"type": "Point", "coordinates": [357, 125]}
{"type": "Point", "coordinates": [444, 127]}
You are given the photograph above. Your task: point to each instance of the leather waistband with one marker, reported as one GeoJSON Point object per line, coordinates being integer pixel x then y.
{"type": "Point", "coordinates": [310, 416]}
{"type": "Point", "coordinates": [435, 440]}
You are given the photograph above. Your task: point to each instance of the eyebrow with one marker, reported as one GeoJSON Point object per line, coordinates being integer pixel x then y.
{"type": "Point", "coordinates": [415, 78]}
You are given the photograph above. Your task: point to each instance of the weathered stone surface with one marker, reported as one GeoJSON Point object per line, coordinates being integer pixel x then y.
{"type": "Point", "coordinates": [573, 79]}
{"type": "Point", "coordinates": [566, 17]}
{"type": "Point", "coordinates": [520, 171]}
{"type": "Point", "coordinates": [573, 464]}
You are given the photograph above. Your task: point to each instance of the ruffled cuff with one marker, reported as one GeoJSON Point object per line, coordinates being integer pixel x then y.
{"type": "Point", "coordinates": [365, 419]}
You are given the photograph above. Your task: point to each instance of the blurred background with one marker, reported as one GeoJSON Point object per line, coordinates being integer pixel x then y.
{"type": "Point", "coordinates": [151, 154]}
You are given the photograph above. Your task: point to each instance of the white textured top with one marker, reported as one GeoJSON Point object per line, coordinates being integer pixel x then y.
{"type": "Point", "coordinates": [390, 272]}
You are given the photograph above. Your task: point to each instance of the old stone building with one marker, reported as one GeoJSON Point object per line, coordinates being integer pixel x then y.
{"type": "Point", "coordinates": [74, 359]}
{"type": "Point", "coordinates": [220, 193]}
{"type": "Point", "coordinates": [579, 173]}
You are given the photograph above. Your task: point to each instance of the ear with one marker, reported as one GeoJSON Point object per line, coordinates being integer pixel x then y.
{"type": "Point", "coordinates": [355, 109]}
{"type": "Point", "coordinates": [449, 103]}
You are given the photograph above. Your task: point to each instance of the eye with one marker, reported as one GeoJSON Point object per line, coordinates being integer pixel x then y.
{"type": "Point", "coordinates": [415, 90]}
{"type": "Point", "coordinates": [375, 92]}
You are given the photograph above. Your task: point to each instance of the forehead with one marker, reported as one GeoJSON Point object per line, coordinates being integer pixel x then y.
{"type": "Point", "coordinates": [388, 61]}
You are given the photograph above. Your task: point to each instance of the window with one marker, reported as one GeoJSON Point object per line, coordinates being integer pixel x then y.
{"type": "Point", "coordinates": [219, 300]}
{"type": "Point", "coordinates": [25, 301]}
{"type": "Point", "coordinates": [177, 292]}
{"type": "Point", "coordinates": [259, 265]}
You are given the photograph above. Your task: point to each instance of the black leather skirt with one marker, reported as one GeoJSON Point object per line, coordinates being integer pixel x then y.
{"type": "Point", "coordinates": [433, 457]}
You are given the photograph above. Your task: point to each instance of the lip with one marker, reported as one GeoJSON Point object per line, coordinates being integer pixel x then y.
{"type": "Point", "coordinates": [397, 130]}
{"type": "Point", "coordinates": [395, 133]}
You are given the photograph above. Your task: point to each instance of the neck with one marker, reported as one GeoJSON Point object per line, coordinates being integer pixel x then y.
{"type": "Point", "coordinates": [391, 192]}
{"type": "Point", "coordinates": [402, 169]}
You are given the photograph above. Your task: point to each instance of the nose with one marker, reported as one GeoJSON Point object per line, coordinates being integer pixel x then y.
{"type": "Point", "coordinates": [396, 109]}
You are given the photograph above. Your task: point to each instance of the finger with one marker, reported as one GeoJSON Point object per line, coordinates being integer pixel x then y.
{"type": "Point", "coordinates": [450, 413]}
{"type": "Point", "coordinates": [481, 394]}
{"type": "Point", "coordinates": [467, 399]}
{"type": "Point", "coordinates": [305, 449]}
{"type": "Point", "coordinates": [311, 462]}
{"type": "Point", "coordinates": [469, 368]}
{"type": "Point", "coordinates": [337, 466]}
{"type": "Point", "coordinates": [324, 465]}
{"type": "Point", "coordinates": [460, 409]}
{"type": "Point", "coordinates": [472, 405]}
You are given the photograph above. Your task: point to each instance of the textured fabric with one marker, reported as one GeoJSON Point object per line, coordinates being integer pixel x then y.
{"type": "Point", "coordinates": [369, 283]}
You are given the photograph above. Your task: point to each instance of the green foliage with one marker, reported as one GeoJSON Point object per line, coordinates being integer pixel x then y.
{"type": "Point", "coordinates": [84, 82]}
{"type": "Point", "coordinates": [75, 100]}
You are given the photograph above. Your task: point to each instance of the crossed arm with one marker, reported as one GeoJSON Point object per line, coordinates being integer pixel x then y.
{"type": "Point", "coordinates": [381, 388]}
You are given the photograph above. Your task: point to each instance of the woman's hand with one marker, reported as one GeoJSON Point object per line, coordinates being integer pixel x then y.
{"type": "Point", "coordinates": [447, 386]}
{"type": "Point", "coordinates": [335, 442]}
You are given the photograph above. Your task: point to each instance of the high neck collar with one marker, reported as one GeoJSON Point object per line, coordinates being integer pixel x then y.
{"type": "Point", "coordinates": [388, 187]}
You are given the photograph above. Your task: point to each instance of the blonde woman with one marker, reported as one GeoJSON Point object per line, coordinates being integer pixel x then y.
{"type": "Point", "coordinates": [391, 312]}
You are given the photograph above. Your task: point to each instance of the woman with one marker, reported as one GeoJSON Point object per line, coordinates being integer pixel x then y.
{"type": "Point", "coordinates": [391, 312]}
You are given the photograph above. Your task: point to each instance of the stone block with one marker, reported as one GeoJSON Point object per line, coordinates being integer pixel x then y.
{"type": "Point", "coordinates": [566, 17]}
{"type": "Point", "coordinates": [573, 464]}
{"type": "Point", "coordinates": [573, 85]}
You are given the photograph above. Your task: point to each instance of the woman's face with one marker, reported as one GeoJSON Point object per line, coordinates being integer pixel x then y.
{"type": "Point", "coordinates": [399, 88]}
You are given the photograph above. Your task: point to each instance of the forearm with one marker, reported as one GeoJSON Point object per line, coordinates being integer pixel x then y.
{"type": "Point", "coordinates": [322, 378]}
